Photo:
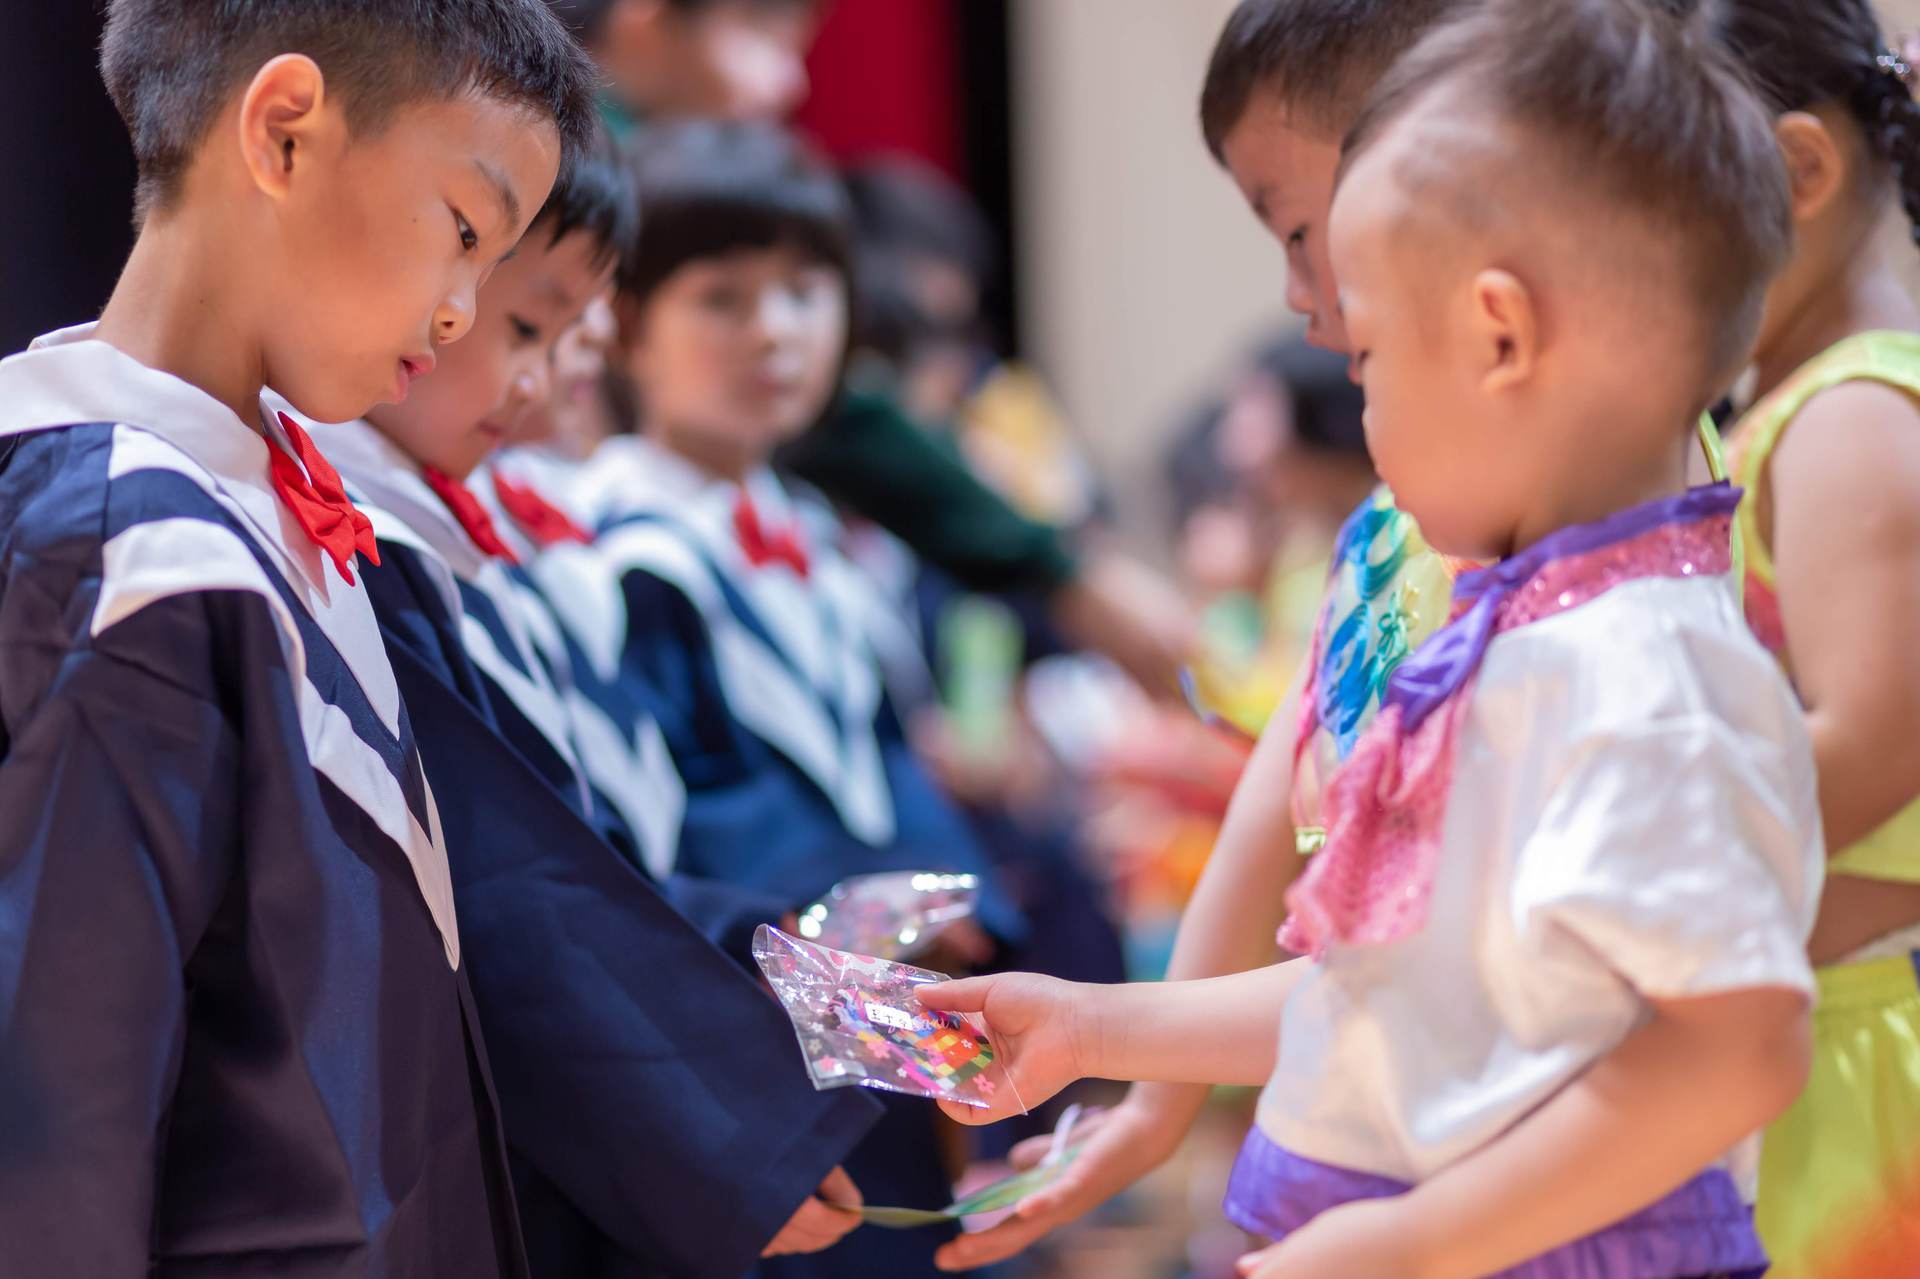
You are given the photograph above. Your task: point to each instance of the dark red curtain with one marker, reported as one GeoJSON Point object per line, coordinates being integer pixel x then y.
{"type": "Point", "coordinates": [886, 79]}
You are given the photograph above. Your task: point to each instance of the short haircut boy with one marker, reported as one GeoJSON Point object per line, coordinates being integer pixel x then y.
{"type": "Point", "coordinates": [172, 65]}
{"type": "Point", "coordinates": [1642, 112]}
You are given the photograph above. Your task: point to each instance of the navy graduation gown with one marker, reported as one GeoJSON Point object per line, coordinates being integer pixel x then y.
{"type": "Point", "coordinates": [754, 815]}
{"type": "Point", "coordinates": [600, 777]}
{"type": "Point", "coordinates": [231, 1038]}
{"type": "Point", "coordinates": [579, 721]}
{"type": "Point", "coordinates": [660, 1118]}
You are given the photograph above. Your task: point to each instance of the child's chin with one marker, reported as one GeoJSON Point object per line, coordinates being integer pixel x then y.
{"type": "Point", "coordinates": [333, 408]}
{"type": "Point", "coordinates": [1444, 530]}
{"type": "Point", "coordinates": [457, 469]}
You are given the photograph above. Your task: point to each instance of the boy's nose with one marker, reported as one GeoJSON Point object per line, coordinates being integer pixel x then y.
{"type": "Point", "coordinates": [535, 383]}
{"type": "Point", "coordinates": [1300, 296]}
{"type": "Point", "coordinates": [453, 319]}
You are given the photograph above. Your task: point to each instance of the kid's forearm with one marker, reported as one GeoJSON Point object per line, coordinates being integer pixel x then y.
{"type": "Point", "coordinates": [1237, 908]}
{"type": "Point", "coordinates": [1223, 1030]}
{"type": "Point", "coordinates": [1674, 1097]}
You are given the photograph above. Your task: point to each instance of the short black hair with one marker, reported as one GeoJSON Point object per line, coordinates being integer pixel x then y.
{"type": "Point", "coordinates": [1321, 56]}
{"type": "Point", "coordinates": [1651, 116]}
{"type": "Point", "coordinates": [171, 65]}
{"type": "Point", "coordinates": [596, 194]}
{"type": "Point", "coordinates": [1329, 411]}
{"type": "Point", "coordinates": [904, 210]}
{"type": "Point", "coordinates": [710, 188]}
{"type": "Point", "coordinates": [903, 206]}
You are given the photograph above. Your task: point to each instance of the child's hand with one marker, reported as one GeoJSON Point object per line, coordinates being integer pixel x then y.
{"type": "Point", "coordinates": [1034, 1024]}
{"type": "Point", "coordinates": [822, 1221]}
{"type": "Point", "coordinates": [1357, 1241]}
{"type": "Point", "coordinates": [1122, 1146]}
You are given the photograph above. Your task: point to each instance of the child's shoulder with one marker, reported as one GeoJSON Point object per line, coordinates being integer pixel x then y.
{"type": "Point", "coordinates": [1852, 442]}
{"type": "Point", "coordinates": [1649, 653]}
{"type": "Point", "coordinates": [661, 544]}
{"type": "Point", "coordinates": [813, 511]}
{"type": "Point", "coordinates": [53, 488]}
{"type": "Point", "coordinates": [142, 580]}
{"type": "Point", "coordinates": [104, 459]}
{"type": "Point", "coordinates": [117, 506]}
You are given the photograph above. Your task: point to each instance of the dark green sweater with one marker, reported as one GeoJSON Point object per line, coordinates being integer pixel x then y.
{"type": "Point", "coordinates": [870, 457]}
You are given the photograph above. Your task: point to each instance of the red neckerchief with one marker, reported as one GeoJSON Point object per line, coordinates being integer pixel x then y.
{"type": "Point", "coordinates": [540, 519]}
{"type": "Point", "coordinates": [764, 546]}
{"type": "Point", "coordinates": [310, 488]}
{"type": "Point", "coordinates": [473, 517]}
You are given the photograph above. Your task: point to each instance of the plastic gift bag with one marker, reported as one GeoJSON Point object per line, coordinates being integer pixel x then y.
{"type": "Point", "coordinates": [896, 915]}
{"type": "Point", "coordinates": [860, 1023]}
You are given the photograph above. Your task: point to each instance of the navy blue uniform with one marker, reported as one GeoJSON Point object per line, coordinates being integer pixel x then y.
{"type": "Point", "coordinates": [236, 1035]}
{"type": "Point", "coordinates": [659, 1116]}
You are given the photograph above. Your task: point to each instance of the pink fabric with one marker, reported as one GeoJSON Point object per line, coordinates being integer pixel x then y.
{"type": "Point", "coordinates": [1385, 808]}
{"type": "Point", "coordinates": [1698, 548]}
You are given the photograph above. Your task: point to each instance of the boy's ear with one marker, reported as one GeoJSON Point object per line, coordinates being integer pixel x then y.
{"type": "Point", "coordinates": [282, 114]}
{"type": "Point", "coordinates": [1816, 171]}
{"type": "Point", "coordinates": [1506, 329]}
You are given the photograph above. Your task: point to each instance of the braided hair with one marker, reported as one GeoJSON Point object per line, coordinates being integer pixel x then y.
{"type": "Point", "coordinates": [1803, 55]}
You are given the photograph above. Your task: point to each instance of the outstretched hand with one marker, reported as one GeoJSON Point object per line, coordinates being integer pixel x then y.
{"type": "Point", "coordinates": [1034, 1024]}
{"type": "Point", "coordinates": [1120, 1147]}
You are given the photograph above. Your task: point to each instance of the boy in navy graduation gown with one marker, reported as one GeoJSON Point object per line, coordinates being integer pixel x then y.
{"type": "Point", "coordinates": [235, 1029]}
{"type": "Point", "coordinates": [660, 1119]}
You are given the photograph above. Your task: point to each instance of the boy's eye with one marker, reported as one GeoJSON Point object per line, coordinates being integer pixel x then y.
{"type": "Point", "coordinates": [469, 241]}
{"type": "Point", "coordinates": [522, 330]}
{"type": "Point", "coordinates": [1296, 237]}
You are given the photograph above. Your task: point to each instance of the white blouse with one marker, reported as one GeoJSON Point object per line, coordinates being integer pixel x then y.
{"type": "Point", "coordinates": [1632, 816]}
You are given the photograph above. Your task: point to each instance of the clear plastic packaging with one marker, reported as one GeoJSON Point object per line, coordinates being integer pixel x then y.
{"type": "Point", "coordinates": [896, 915]}
{"type": "Point", "coordinates": [860, 1023]}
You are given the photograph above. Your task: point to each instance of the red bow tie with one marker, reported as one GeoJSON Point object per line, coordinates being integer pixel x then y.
{"type": "Point", "coordinates": [473, 517]}
{"type": "Point", "coordinates": [311, 489]}
{"type": "Point", "coordinates": [542, 521]}
{"type": "Point", "coordinates": [763, 546]}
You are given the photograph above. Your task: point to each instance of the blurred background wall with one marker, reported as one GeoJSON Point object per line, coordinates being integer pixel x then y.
{"type": "Point", "coordinates": [1144, 272]}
